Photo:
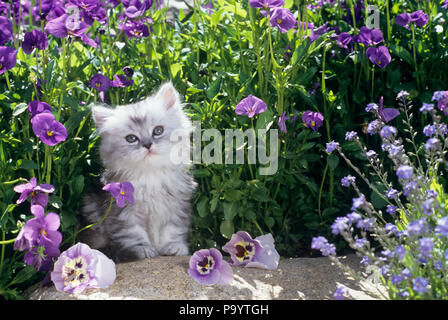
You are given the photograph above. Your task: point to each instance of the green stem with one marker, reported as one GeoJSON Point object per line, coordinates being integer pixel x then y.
{"type": "Point", "coordinates": [373, 83]}
{"type": "Point", "coordinates": [7, 80]}
{"type": "Point", "coordinates": [98, 222]}
{"type": "Point", "coordinates": [389, 29]}
{"type": "Point", "coordinates": [320, 190]}
{"type": "Point", "coordinates": [415, 56]}
{"type": "Point", "coordinates": [48, 160]}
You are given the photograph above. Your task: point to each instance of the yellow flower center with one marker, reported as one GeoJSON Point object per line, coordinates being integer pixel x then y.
{"type": "Point", "coordinates": [279, 21]}
{"type": "Point", "coordinates": [97, 84]}
{"type": "Point", "coordinates": [313, 124]}
{"type": "Point", "coordinates": [244, 251]}
{"type": "Point", "coordinates": [379, 61]}
{"type": "Point", "coordinates": [44, 232]}
{"type": "Point", "coordinates": [137, 33]}
{"type": "Point", "coordinates": [49, 133]}
{"type": "Point", "coordinates": [1, 66]}
{"type": "Point", "coordinates": [122, 193]}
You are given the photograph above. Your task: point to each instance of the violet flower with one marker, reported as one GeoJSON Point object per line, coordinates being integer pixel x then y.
{"type": "Point", "coordinates": [100, 82]}
{"type": "Point", "coordinates": [80, 267]}
{"type": "Point", "coordinates": [282, 122]}
{"type": "Point", "coordinates": [319, 31]}
{"type": "Point", "coordinates": [36, 107]}
{"type": "Point", "coordinates": [34, 39]}
{"type": "Point", "coordinates": [7, 58]}
{"type": "Point", "coordinates": [257, 253]}
{"type": "Point", "coordinates": [250, 106]}
{"type": "Point", "coordinates": [121, 81]}
{"type": "Point", "coordinates": [403, 19]}
{"type": "Point", "coordinates": [313, 120]}
{"type": "Point", "coordinates": [135, 28]}
{"type": "Point", "coordinates": [122, 192]}
{"type": "Point", "coordinates": [41, 257]}
{"type": "Point", "coordinates": [343, 40]}
{"type": "Point", "coordinates": [50, 131]}
{"type": "Point", "coordinates": [136, 8]}
{"type": "Point", "coordinates": [207, 267]}
{"type": "Point", "coordinates": [283, 19]}
{"type": "Point", "coordinates": [38, 192]}
{"type": "Point", "coordinates": [370, 37]}
{"type": "Point", "coordinates": [6, 30]}
{"type": "Point", "coordinates": [419, 18]}
{"type": "Point", "coordinates": [379, 56]}
{"type": "Point", "coordinates": [266, 3]}
{"type": "Point", "coordinates": [65, 25]}
{"type": "Point", "coordinates": [44, 228]}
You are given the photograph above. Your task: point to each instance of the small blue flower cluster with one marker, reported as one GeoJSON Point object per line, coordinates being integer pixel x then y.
{"type": "Point", "coordinates": [413, 262]}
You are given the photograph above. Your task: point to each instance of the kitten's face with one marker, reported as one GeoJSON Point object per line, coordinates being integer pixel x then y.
{"type": "Point", "coordinates": [143, 135]}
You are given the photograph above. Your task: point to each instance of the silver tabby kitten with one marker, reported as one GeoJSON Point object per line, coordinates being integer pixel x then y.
{"type": "Point", "coordinates": [147, 144]}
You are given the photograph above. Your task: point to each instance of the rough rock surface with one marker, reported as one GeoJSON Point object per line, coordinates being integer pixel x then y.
{"type": "Point", "coordinates": [167, 278]}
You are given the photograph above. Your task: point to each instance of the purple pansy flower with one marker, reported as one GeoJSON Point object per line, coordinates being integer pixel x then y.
{"type": "Point", "coordinates": [38, 192]}
{"type": "Point", "coordinates": [313, 120]}
{"type": "Point", "coordinates": [122, 192]}
{"type": "Point", "coordinates": [7, 58]}
{"type": "Point", "coordinates": [50, 131]}
{"type": "Point", "coordinates": [266, 3]}
{"type": "Point", "coordinates": [343, 40]}
{"type": "Point", "coordinates": [45, 227]}
{"type": "Point", "coordinates": [6, 30]}
{"type": "Point", "coordinates": [403, 19]}
{"type": "Point", "coordinates": [100, 82]}
{"type": "Point", "coordinates": [387, 114]}
{"type": "Point", "coordinates": [36, 107]}
{"type": "Point", "coordinates": [283, 19]}
{"type": "Point", "coordinates": [369, 37]}
{"type": "Point", "coordinates": [250, 106]}
{"type": "Point", "coordinates": [34, 39]}
{"type": "Point", "coordinates": [419, 17]}
{"type": "Point", "coordinates": [81, 267]}
{"type": "Point", "coordinates": [65, 25]}
{"type": "Point", "coordinates": [258, 253]}
{"type": "Point", "coordinates": [379, 56]}
{"type": "Point", "coordinates": [41, 257]}
{"type": "Point", "coordinates": [319, 31]}
{"type": "Point", "coordinates": [121, 81]}
{"type": "Point", "coordinates": [207, 267]}
{"type": "Point", "coordinates": [135, 28]}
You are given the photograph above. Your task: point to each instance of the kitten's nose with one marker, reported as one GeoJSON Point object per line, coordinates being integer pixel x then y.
{"type": "Point", "coordinates": [147, 145]}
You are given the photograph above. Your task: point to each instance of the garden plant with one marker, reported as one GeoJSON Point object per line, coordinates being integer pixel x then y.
{"type": "Point", "coordinates": [355, 89]}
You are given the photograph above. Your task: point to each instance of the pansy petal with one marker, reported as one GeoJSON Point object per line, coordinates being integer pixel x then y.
{"type": "Point", "coordinates": [226, 273]}
{"type": "Point", "coordinates": [39, 199]}
{"type": "Point", "coordinates": [52, 221]}
{"type": "Point", "coordinates": [105, 273]}
{"type": "Point", "coordinates": [37, 211]}
{"type": "Point", "coordinates": [48, 188]}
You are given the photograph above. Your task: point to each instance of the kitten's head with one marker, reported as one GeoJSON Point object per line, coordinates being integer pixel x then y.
{"type": "Point", "coordinates": [143, 135]}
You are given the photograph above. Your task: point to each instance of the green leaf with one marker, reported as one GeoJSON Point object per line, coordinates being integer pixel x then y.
{"type": "Point", "coordinates": [20, 108]}
{"type": "Point", "coordinates": [376, 200]}
{"type": "Point", "coordinates": [227, 229]}
{"type": "Point", "coordinates": [201, 173]}
{"type": "Point", "coordinates": [300, 52]}
{"type": "Point", "coordinates": [213, 204]}
{"type": "Point", "coordinates": [214, 88]}
{"type": "Point", "coordinates": [78, 184]}
{"type": "Point", "coordinates": [202, 207]}
{"type": "Point", "coordinates": [333, 161]}
{"type": "Point", "coordinates": [233, 195]}
{"type": "Point", "coordinates": [402, 53]}
{"type": "Point", "coordinates": [265, 120]}
{"type": "Point", "coordinates": [230, 210]}
{"type": "Point", "coordinates": [269, 222]}
{"type": "Point", "coordinates": [23, 275]}
{"type": "Point", "coordinates": [26, 164]}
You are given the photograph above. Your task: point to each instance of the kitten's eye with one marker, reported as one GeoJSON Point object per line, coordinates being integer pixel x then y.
{"type": "Point", "coordinates": [157, 131]}
{"type": "Point", "coordinates": [131, 138]}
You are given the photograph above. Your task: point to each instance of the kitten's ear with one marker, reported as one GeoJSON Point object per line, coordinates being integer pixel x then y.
{"type": "Point", "coordinates": [168, 95]}
{"type": "Point", "coordinates": [101, 114]}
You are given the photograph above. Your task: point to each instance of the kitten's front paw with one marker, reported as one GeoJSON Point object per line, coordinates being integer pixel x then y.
{"type": "Point", "coordinates": [175, 249]}
{"type": "Point", "coordinates": [136, 253]}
